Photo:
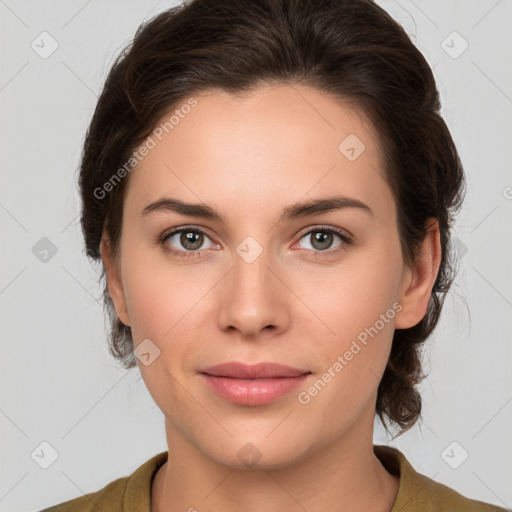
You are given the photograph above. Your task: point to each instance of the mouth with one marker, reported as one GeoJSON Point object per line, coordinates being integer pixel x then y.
{"type": "Point", "coordinates": [252, 385]}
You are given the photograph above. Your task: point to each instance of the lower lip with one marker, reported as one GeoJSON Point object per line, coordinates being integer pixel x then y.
{"type": "Point", "coordinates": [253, 391]}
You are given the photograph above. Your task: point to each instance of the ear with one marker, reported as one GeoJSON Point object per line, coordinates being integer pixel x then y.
{"type": "Point", "coordinates": [418, 280]}
{"type": "Point", "coordinates": [113, 276]}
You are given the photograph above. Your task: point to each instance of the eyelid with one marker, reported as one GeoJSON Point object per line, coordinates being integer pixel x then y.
{"type": "Point", "coordinates": [325, 227]}
{"type": "Point", "coordinates": [189, 227]}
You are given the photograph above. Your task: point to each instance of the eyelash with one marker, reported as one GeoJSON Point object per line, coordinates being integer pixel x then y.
{"type": "Point", "coordinates": [195, 254]}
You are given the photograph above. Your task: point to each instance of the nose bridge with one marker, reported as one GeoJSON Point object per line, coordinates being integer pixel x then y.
{"type": "Point", "coordinates": [250, 264]}
{"type": "Point", "coordinates": [251, 299]}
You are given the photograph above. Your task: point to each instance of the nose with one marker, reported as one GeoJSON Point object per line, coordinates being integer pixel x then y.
{"type": "Point", "coordinates": [254, 298]}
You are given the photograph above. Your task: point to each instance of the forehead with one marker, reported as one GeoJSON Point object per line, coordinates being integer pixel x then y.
{"type": "Point", "coordinates": [275, 145]}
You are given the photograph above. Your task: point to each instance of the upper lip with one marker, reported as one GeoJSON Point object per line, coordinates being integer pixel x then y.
{"type": "Point", "coordinates": [265, 370]}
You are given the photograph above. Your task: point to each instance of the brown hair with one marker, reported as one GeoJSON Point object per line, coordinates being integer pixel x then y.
{"type": "Point", "coordinates": [351, 49]}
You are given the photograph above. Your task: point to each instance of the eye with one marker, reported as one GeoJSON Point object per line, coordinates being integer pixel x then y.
{"type": "Point", "coordinates": [321, 239]}
{"type": "Point", "coordinates": [187, 242]}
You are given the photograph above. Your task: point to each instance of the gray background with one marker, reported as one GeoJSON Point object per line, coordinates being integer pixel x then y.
{"type": "Point", "coordinates": [60, 386]}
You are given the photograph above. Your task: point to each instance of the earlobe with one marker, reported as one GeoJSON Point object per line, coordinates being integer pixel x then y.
{"type": "Point", "coordinates": [114, 282]}
{"type": "Point", "coordinates": [419, 279]}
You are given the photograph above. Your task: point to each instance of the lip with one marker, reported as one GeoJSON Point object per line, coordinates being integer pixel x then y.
{"type": "Point", "coordinates": [252, 385]}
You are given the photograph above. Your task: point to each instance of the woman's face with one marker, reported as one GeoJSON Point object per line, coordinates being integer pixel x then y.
{"type": "Point", "coordinates": [269, 281]}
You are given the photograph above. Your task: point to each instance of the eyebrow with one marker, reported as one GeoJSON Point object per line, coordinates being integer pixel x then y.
{"type": "Point", "coordinates": [292, 212]}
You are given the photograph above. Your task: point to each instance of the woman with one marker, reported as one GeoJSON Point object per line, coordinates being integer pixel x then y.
{"type": "Point", "coordinates": [270, 189]}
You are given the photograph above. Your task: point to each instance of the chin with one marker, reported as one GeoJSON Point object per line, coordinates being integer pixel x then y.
{"type": "Point", "coordinates": [259, 453]}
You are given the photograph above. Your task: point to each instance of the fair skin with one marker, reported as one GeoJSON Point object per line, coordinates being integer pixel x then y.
{"type": "Point", "coordinates": [295, 304]}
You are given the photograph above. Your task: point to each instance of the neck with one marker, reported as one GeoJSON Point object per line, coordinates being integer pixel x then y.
{"type": "Point", "coordinates": [345, 475]}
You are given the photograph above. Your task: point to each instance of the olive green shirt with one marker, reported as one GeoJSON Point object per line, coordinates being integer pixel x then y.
{"type": "Point", "coordinates": [417, 493]}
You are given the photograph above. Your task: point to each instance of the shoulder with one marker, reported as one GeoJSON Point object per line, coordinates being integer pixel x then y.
{"type": "Point", "coordinates": [127, 493]}
{"type": "Point", "coordinates": [110, 496]}
{"type": "Point", "coordinates": [436, 496]}
{"type": "Point", "coordinates": [418, 492]}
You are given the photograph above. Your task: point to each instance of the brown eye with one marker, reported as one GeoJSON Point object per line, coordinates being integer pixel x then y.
{"type": "Point", "coordinates": [187, 242]}
{"type": "Point", "coordinates": [191, 240]}
{"type": "Point", "coordinates": [321, 240]}
{"type": "Point", "coordinates": [324, 240]}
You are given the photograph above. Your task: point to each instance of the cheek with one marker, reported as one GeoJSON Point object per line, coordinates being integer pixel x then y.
{"type": "Point", "coordinates": [354, 295]}
{"type": "Point", "coordinates": [157, 293]}
{"type": "Point", "coordinates": [169, 305]}
{"type": "Point", "coordinates": [146, 302]}
{"type": "Point", "coordinates": [352, 364]}
{"type": "Point", "coordinates": [358, 306]}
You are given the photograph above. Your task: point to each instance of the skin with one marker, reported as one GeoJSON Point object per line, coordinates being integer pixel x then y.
{"type": "Point", "coordinates": [248, 158]}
